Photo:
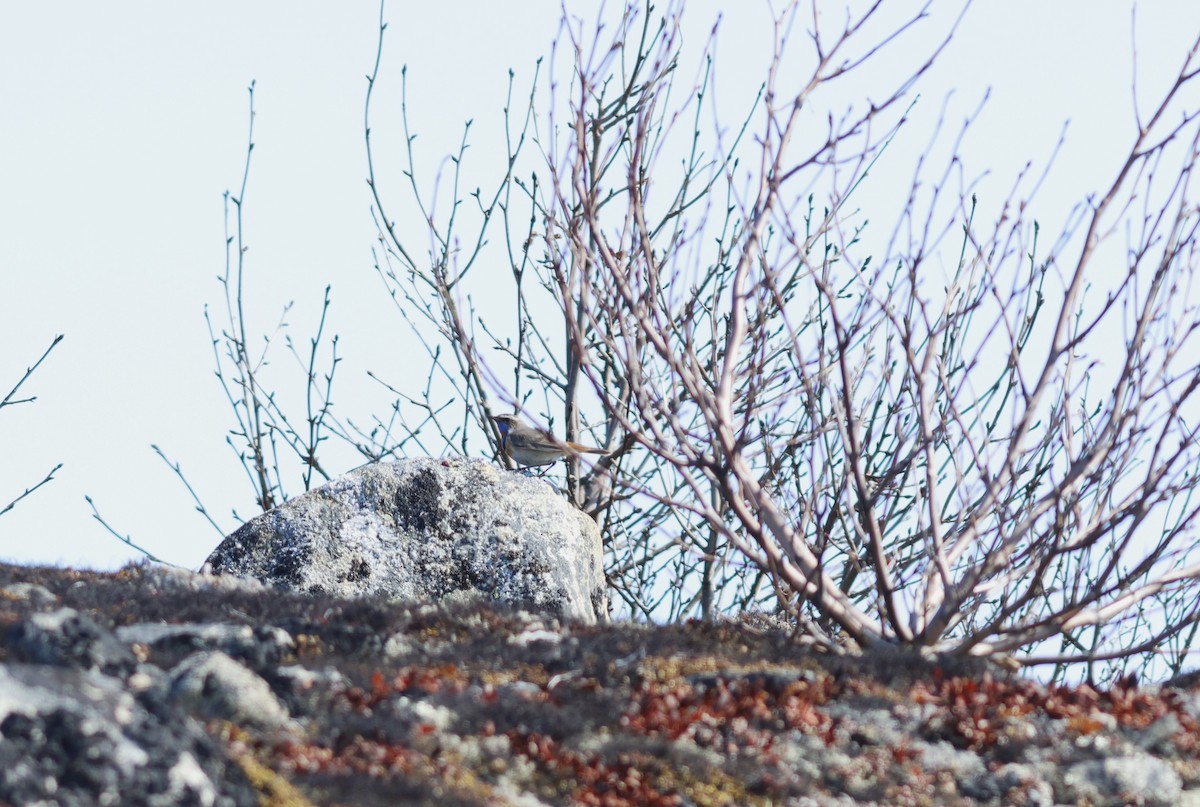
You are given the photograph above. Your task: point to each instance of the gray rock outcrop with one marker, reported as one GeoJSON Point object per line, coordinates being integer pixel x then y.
{"type": "Point", "coordinates": [241, 694]}
{"type": "Point", "coordinates": [424, 529]}
{"type": "Point", "coordinates": [74, 737]}
{"type": "Point", "coordinates": [68, 638]}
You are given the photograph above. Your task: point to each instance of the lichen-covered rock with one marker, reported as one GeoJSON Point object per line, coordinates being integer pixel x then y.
{"type": "Point", "coordinates": [74, 738]}
{"type": "Point", "coordinates": [1140, 779]}
{"type": "Point", "coordinates": [259, 646]}
{"type": "Point", "coordinates": [68, 638]}
{"type": "Point", "coordinates": [423, 529]}
{"type": "Point", "coordinates": [213, 685]}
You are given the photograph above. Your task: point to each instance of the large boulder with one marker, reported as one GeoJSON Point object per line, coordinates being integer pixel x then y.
{"type": "Point", "coordinates": [422, 529]}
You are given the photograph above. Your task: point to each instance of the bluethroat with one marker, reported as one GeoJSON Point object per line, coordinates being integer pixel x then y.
{"type": "Point", "coordinates": [528, 446]}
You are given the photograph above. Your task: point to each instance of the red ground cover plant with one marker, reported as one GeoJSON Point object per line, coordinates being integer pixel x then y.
{"type": "Point", "coordinates": [728, 712]}
{"type": "Point", "coordinates": [598, 782]}
{"type": "Point", "coordinates": [446, 678]}
{"type": "Point", "coordinates": [978, 708]}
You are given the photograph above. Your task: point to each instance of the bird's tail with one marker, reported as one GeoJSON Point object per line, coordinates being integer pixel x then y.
{"type": "Point", "coordinates": [581, 449]}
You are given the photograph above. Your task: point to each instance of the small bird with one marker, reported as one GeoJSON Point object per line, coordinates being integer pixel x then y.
{"type": "Point", "coordinates": [528, 446]}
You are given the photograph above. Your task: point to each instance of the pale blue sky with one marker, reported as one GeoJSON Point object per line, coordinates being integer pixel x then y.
{"type": "Point", "coordinates": [122, 123]}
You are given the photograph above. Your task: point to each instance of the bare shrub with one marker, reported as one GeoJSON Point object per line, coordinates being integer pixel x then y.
{"type": "Point", "coordinates": [11, 399]}
{"type": "Point", "coordinates": [278, 438]}
{"type": "Point", "coordinates": [961, 435]}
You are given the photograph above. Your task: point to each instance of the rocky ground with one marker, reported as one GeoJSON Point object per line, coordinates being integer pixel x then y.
{"type": "Point", "coordinates": [161, 688]}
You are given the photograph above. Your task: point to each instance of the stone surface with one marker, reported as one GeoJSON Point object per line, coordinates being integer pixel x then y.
{"type": "Point", "coordinates": [424, 529]}
{"type": "Point", "coordinates": [38, 596]}
{"type": "Point", "coordinates": [1117, 781]}
{"type": "Point", "coordinates": [213, 685]}
{"type": "Point", "coordinates": [258, 646]}
{"type": "Point", "coordinates": [68, 638]}
{"type": "Point", "coordinates": [71, 738]}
